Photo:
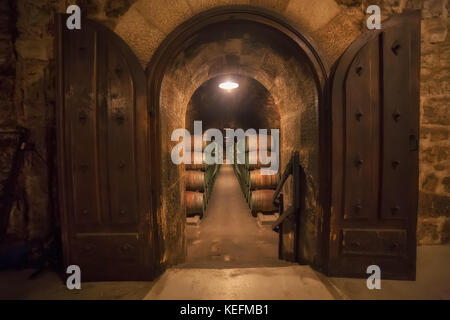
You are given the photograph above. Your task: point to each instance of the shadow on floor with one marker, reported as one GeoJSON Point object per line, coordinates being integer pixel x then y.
{"type": "Point", "coordinates": [49, 285]}
{"type": "Point", "coordinates": [433, 282]}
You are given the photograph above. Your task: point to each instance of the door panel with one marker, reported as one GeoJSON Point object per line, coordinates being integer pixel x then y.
{"type": "Point", "coordinates": [375, 124]}
{"type": "Point", "coordinates": [103, 156]}
{"type": "Point", "coordinates": [362, 134]}
{"type": "Point", "coordinates": [120, 124]}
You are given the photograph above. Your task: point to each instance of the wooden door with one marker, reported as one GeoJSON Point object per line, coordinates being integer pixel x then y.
{"type": "Point", "coordinates": [103, 155]}
{"type": "Point", "coordinates": [375, 132]}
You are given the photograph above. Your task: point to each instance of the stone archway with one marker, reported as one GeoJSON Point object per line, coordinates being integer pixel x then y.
{"type": "Point", "coordinates": [295, 75]}
{"type": "Point", "coordinates": [148, 22]}
{"type": "Point", "coordinates": [150, 27]}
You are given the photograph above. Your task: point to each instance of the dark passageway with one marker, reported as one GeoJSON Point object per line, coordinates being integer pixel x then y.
{"type": "Point", "coordinates": [228, 236]}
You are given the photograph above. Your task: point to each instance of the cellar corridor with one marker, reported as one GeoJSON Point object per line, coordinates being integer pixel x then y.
{"type": "Point", "coordinates": [228, 236]}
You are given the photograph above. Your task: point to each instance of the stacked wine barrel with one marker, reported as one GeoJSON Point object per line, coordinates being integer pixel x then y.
{"type": "Point", "coordinates": [200, 179]}
{"type": "Point", "coordinates": [258, 189]}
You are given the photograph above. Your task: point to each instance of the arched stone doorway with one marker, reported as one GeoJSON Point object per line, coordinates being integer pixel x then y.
{"type": "Point", "coordinates": [148, 235]}
{"type": "Point", "coordinates": [254, 43]}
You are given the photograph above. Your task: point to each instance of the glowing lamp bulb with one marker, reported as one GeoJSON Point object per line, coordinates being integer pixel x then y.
{"type": "Point", "coordinates": [228, 85]}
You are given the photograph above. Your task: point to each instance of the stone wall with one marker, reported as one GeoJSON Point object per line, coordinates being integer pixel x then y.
{"type": "Point", "coordinates": [30, 104]}
{"type": "Point", "coordinates": [434, 201]}
{"type": "Point", "coordinates": [8, 120]}
{"type": "Point", "coordinates": [27, 84]}
{"type": "Point", "coordinates": [7, 63]}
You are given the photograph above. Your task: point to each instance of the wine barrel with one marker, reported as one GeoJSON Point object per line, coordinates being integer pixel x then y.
{"type": "Point", "coordinates": [255, 155]}
{"type": "Point", "coordinates": [195, 180]}
{"type": "Point", "coordinates": [262, 201]}
{"type": "Point", "coordinates": [195, 167]}
{"type": "Point", "coordinates": [261, 181]}
{"type": "Point", "coordinates": [194, 203]}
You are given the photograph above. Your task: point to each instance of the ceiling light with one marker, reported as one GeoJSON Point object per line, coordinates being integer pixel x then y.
{"type": "Point", "coordinates": [228, 85]}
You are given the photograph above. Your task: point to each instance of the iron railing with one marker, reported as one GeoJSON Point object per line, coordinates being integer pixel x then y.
{"type": "Point", "coordinates": [293, 212]}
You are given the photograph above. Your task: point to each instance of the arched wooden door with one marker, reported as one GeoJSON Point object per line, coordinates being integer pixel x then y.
{"type": "Point", "coordinates": [375, 132]}
{"type": "Point", "coordinates": [103, 155]}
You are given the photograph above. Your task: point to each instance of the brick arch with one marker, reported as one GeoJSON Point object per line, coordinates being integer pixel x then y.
{"type": "Point", "coordinates": [290, 83]}
{"type": "Point", "coordinates": [297, 85]}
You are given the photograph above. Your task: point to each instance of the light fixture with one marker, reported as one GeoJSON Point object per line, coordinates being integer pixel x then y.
{"type": "Point", "coordinates": [228, 85]}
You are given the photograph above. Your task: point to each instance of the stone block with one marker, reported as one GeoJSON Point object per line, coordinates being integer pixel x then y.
{"type": "Point", "coordinates": [142, 38]}
{"type": "Point", "coordinates": [433, 205]}
{"type": "Point", "coordinates": [34, 49]}
{"type": "Point", "coordinates": [430, 183]}
{"type": "Point", "coordinates": [436, 110]}
{"type": "Point", "coordinates": [90, 7]}
{"type": "Point", "coordinates": [414, 4]}
{"type": "Point", "coordinates": [434, 30]}
{"type": "Point", "coordinates": [434, 134]}
{"type": "Point", "coordinates": [34, 19]}
{"type": "Point", "coordinates": [440, 167]}
{"type": "Point", "coordinates": [430, 60]}
{"type": "Point", "coordinates": [429, 231]}
{"type": "Point", "coordinates": [164, 15]}
{"type": "Point", "coordinates": [435, 153]}
{"type": "Point", "coordinates": [433, 8]}
{"type": "Point", "coordinates": [193, 221]}
{"type": "Point", "coordinates": [347, 24]}
{"type": "Point", "coordinates": [203, 5]}
{"type": "Point", "coordinates": [444, 56]}
{"type": "Point", "coordinates": [267, 219]}
{"type": "Point", "coordinates": [275, 5]}
{"type": "Point", "coordinates": [445, 237]}
{"type": "Point", "coordinates": [311, 15]}
{"type": "Point", "coordinates": [349, 3]}
{"type": "Point", "coordinates": [116, 8]}
{"type": "Point", "coordinates": [437, 83]}
{"type": "Point", "coordinates": [446, 184]}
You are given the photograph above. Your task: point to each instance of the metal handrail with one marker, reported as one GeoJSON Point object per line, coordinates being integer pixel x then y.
{"type": "Point", "coordinates": [292, 168]}
{"type": "Point", "coordinates": [287, 213]}
{"type": "Point", "coordinates": [287, 172]}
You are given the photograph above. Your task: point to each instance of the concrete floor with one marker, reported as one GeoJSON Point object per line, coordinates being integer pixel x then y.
{"type": "Point", "coordinates": [275, 283]}
{"type": "Point", "coordinates": [231, 257]}
{"type": "Point", "coordinates": [228, 236]}
{"type": "Point", "coordinates": [50, 286]}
